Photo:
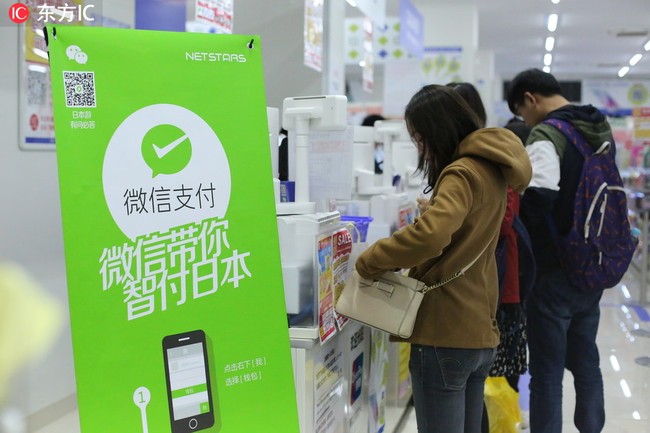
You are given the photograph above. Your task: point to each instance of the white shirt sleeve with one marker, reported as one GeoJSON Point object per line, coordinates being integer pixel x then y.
{"type": "Point", "coordinates": [546, 165]}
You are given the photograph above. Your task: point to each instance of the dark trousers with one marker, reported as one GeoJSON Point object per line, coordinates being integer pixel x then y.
{"type": "Point", "coordinates": [448, 387]}
{"type": "Point", "coordinates": [562, 327]}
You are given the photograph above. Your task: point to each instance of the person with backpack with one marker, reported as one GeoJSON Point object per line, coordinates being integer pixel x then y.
{"type": "Point", "coordinates": [575, 210]}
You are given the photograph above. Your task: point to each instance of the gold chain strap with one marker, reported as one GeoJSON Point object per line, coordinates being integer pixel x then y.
{"type": "Point", "coordinates": [442, 283]}
{"type": "Point", "coordinates": [425, 289]}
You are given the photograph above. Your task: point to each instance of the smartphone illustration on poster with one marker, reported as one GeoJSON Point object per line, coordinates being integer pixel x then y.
{"type": "Point", "coordinates": [188, 382]}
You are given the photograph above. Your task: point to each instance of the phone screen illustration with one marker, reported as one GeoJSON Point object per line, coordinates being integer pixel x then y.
{"type": "Point", "coordinates": [188, 382]}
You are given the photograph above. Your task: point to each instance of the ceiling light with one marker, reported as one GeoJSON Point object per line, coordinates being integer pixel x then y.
{"type": "Point", "coordinates": [548, 59]}
{"type": "Point", "coordinates": [624, 70]}
{"type": "Point", "coordinates": [625, 291]}
{"type": "Point", "coordinates": [626, 389]}
{"type": "Point", "coordinates": [635, 59]}
{"type": "Point", "coordinates": [624, 308]}
{"type": "Point", "coordinates": [647, 46]}
{"type": "Point", "coordinates": [547, 69]}
{"type": "Point", "coordinates": [550, 43]}
{"type": "Point", "coordinates": [615, 365]}
{"type": "Point", "coordinates": [552, 22]}
{"type": "Point", "coordinates": [555, 1]}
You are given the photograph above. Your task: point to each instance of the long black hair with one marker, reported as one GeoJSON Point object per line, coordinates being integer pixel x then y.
{"type": "Point", "coordinates": [438, 119]}
{"type": "Point", "coordinates": [473, 99]}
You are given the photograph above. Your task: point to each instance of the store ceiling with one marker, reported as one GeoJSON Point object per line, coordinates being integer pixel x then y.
{"type": "Point", "coordinates": [594, 38]}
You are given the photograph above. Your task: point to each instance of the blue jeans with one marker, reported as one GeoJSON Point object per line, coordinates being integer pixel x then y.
{"type": "Point", "coordinates": [448, 387]}
{"type": "Point", "coordinates": [562, 325]}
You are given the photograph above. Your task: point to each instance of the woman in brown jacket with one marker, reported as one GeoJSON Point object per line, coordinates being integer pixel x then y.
{"type": "Point", "coordinates": [455, 336]}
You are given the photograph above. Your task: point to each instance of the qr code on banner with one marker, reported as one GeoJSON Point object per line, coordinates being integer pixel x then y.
{"type": "Point", "coordinates": [79, 89]}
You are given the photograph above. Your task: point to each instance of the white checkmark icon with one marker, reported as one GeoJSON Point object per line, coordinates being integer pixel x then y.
{"type": "Point", "coordinates": [162, 151]}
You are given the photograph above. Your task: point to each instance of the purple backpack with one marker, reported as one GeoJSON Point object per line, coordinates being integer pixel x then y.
{"type": "Point", "coordinates": [598, 248]}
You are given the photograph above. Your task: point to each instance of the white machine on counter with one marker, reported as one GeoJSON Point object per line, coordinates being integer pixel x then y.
{"type": "Point", "coordinates": [367, 182]}
{"type": "Point", "coordinates": [405, 163]}
{"type": "Point", "coordinates": [375, 194]}
{"type": "Point", "coordinates": [300, 115]}
{"type": "Point", "coordinates": [298, 223]}
{"type": "Point", "coordinates": [273, 117]}
{"type": "Point", "coordinates": [385, 208]}
{"type": "Point", "coordinates": [386, 132]}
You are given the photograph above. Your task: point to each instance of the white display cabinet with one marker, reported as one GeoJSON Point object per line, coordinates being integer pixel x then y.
{"type": "Point", "coordinates": [298, 236]}
{"type": "Point", "coordinates": [331, 381]}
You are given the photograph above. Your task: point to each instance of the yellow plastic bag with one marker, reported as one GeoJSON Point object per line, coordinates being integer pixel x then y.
{"type": "Point", "coordinates": [502, 404]}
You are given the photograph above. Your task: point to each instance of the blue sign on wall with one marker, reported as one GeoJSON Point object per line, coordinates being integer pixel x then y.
{"type": "Point", "coordinates": [160, 15]}
{"type": "Point", "coordinates": [411, 33]}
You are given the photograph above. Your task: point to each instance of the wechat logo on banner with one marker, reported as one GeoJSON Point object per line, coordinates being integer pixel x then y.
{"type": "Point", "coordinates": [164, 167]}
{"type": "Point", "coordinates": [166, 149]}
{"type": "Point", "coordinates": [74, 53]}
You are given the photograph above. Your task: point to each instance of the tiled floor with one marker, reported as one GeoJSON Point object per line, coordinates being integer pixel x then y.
{"type": "Point", "coordinates": [624, 340]}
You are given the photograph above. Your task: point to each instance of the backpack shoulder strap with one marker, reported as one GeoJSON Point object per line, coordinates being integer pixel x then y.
{"type": "Point", "coordinates": [527, 263]}
{"type": "Point", "coordinates": [575, 137]}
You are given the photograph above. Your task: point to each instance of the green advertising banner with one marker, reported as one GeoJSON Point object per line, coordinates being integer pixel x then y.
{"type": "Point", "coordinates": [173, 264]}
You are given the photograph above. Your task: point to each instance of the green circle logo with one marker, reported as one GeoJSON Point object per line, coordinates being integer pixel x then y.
{"type": "Point", "coordinates": [166, 149]}
{"type": "Point", "coordinates": [638, 94]}
{"type": "Point", "coordinates": [177, 144]}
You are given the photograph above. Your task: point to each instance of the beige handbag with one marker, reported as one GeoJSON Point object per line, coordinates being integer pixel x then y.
{"type": "Point", "coordinates": [389, 303]}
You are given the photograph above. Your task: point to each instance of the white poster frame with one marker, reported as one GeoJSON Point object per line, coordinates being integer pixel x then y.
{"type": "Point", "coordinates": [22, 69]}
